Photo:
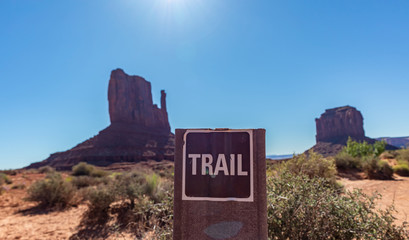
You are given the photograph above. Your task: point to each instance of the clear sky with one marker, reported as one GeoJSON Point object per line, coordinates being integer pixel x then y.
{"type": "Point", "coordinates": [223, 63]}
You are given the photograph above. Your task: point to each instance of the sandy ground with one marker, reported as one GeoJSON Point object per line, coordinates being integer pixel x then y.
{"type": "Point", "coordinates": [22, 220]}
{"type": "Point", "coordinates": [394, 192]}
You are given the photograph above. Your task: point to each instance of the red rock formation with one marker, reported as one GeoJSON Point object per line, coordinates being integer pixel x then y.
{"type": "Point", "coordinates": [139, 130]}
{"type": "Point", "coordinates": [337, 124]}
{"type": "Point", "coordinates": [130, 101]}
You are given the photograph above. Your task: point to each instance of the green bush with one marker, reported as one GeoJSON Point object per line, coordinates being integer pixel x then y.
{"type": "Point", "coordinates": [82, 169]}
{"type": "Point", "coordinates": [300, 207]}
{"type": "Point", "coordinates": [379, 147]}
{"type": "Point", "coordinates": [100, 199]}
{"type": "Point", "coordinates": [98, 173]}
{"type": "Point", "coordinates": [155, 187]}
{"type": "Point", "coordinates": [402, 169]}
{"type": "Point", "coordinates": [46, 169]}
{"type": "Point", "coordinates": [357, 149]}
{"type": "Point", "coordinates": [377, 169]}
{"type": "Point", "coordinates": [344, 160]}
{"type": "Point", "coordinates": [85, 169]}
{"type": "Point", "coordinates": [130, 186]}
{"type": "Point", "coordinates": [312, 165]}
{"type": "Point", "coordinates": [145, 202]}
{"type": "Point", "coordinates": [52, 191]}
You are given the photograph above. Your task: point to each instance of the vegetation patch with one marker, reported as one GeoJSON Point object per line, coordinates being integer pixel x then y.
{"type": "Point", "coordinates": [46, 169]}
{"type": "Point", "coordinates": [311, 165]}
{"type": "Point", "coordinates": [51, 192]}
{"type": "Point", "coordinates": [85, 169]}
{"type": "Point", "coordinates": [402, 169]}
{"type": "Point", "coordinates": [300, 207]}
{"type": "Point", "coordinates": [365, 157]}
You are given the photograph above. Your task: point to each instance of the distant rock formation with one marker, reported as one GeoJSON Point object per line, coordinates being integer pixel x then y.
{"type": "Point", "coordinates": [399, 142]}
{"type": "Point", "coordinates": [139, 130]}
{"type": "Point", "coordinates": [335, 126]}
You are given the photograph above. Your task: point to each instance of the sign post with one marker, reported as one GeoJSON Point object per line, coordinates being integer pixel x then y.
{"type": "Point", "coordinates": [220, 184]}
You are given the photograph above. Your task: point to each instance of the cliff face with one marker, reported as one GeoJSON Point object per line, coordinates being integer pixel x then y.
{"type": "Point", "coordinates": [139, 130]}
{"type": "Point", "coordinates": [130, 101]}
{"type": "Point", "coordinates": [337, 124]}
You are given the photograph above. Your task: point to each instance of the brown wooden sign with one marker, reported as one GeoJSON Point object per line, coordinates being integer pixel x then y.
{"type": "Point", "coordinates": [220, 184]}
{"type": "Point", "coordinates": [217, 165]}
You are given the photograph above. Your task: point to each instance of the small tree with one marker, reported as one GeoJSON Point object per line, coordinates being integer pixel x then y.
{"type": "Point", "coordinates": [357, 149]}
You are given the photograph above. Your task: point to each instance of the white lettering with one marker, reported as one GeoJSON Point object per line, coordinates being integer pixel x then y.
{"type": "Point", "coordinates": [236, 164]}
{"type": "Point", "coordinates": [221, 165]}
{"type": "Point", "coordinates": [207, 164]}
{"type": "Point", "coordinates": [194, 158]}
{"type": "Point", "coordinates": [240, 171]}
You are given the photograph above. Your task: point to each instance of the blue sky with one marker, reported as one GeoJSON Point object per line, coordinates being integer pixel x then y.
{"type": "Point", "coordinates": [232, 63]}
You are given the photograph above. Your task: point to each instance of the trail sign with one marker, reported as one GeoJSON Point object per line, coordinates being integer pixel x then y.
{"type": "Point", "coordinates": [217, 165]}
{"type": "Point", "coordinates": [220, 184]}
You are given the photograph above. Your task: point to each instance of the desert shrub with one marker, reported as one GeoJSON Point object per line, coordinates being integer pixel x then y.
{"type": "Point", "coordinates": [52, 191]}
{"type": "Point", "coordinates": [377, 169]}
{"type": "Point", "coordinates": [4, 179]}
{"type": "Point", "coordinates": [344, 160]}
{"type": "Point", "coordinates": [98, 173]}
{"type": "Point", "coordinates": [142, 202]}
{"type": "Point", "coordinates": [150, 216]}
{"type": "Point", "coordinates": [379, 147]}
{"type": "Point", "coordinates": [46, 169]}
{"type": "Point", "coordinates": [100, 199]}
{"type": "Point", "coordinates": [167, 173]}
{"type": "Point", "coordinates": [403, 155]}
{"type": "Point", "coordinates": [130, 186]}
{"type": "Point", "coordinates": [85, 169]}
{"type": "Point", "coordinates": [362, 149]}
{"type": "Point", "coordinates": [402, 169]}
{"type": "Point", "coordinates": [312, 165]}
{"type": "Point", "coordinates": [82, 169]}
{"type": "Point", "coordinates": [86, 181]}
{"type": "Point", "coordinates": [30, 171]}
{"type": "Point", "coordinates": [151, 186]}
{"type": "Point", "coordinates": [300, 207]}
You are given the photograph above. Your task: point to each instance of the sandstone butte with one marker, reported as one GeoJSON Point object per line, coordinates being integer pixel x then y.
{"type": "Point", "coordinates": [139, 129]}
{"type": "Point", "coordinates": [335, 126]}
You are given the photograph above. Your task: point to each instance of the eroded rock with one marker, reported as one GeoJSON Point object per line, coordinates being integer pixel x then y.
{"type": "Point", "coordinates": [139, 130]}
